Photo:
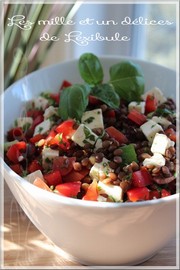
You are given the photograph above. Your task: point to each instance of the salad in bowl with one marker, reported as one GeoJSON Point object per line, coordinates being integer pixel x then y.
{"type": "Point", "coordinates": [90, 156]}
{"type": "Point", "coordinates": [99, 140]}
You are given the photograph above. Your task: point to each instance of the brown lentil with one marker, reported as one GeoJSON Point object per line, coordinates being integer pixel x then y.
{"type": "Point", "coordinates": [77, 166]}
{"type": "Point", "coordinates": [117, 159]}
{"type": "Point", "coordinates": [156, 170]}
{"type": "Point", "coordinates": [128, 169]}
{"type": "Point", "coordinates": [113, 165]}
{"type": "Point", "coordinates": [87, 179]}
{"type": "Point", "coordinates": [116, 182]}
{"type": "Point", "coordinates": [134, 166]}
{"type": "Point", "coordinates": [85, 162]}
{"type": "Point", "coordinates": [121, 175]}
{"type": "Point", "coordinates": [171, 166]}
{"type": "Point", "coordinates": [125, 185]}
{"type": "Point", "coordinates": [162, 180]}
{"type": "Point", "coordinates": [109, 199]}
{"type": "Point", "coordinates": [103, 107]}
{"type": "Point", "coordinates": [106, 144]}
{"type": "Point", "coordinates": [117, 152]}
{"type": "Point", "coordinates": [99, 157]}
{"type": "Point", "coordinates": [112, 148]}
{"type": "Point", "coordinates": [79, 153]}
{"type": "Point", "coordinates": [165, 171]}
{"type": "Point", "coordinates": [143, 156]}
{"type": "Point", "coordinates": [85, 186]}
{"type": "Point", "coordinates": [107, 180]}
{"type": "Point", "coordinates": [87, 146]}
{"type": "Point", "coordinates": [113, 176]}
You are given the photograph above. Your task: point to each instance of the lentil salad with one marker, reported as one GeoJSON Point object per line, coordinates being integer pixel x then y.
{"type": "Point", "coordinates": [94, 142]}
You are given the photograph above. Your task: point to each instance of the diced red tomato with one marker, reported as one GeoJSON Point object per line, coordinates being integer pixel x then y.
{"type": "Point", "coordinates": [38, 182]}
{"type": "Point", "coordinates": [75, 176]}
{"type": "Point", "coordinates": [141, 178]}
{"type": "Point", "coordinates": [93, 100]}
{"type": "Point", "coordinates": [69, 189]}
{"type": "Point", "coordinates": [63, 164]}
{"type": "Point", "coordinates": [61, 141]}
{"type": "Point", "coordinates": [92, 192]}
{"type": "Point", "coordinates": [151, 103]}
{"type": "Point", "coordinates": [50, 136]}
{"type": "Point", "coordinates": [110, 114]}
{"type": "Point", "coordinates": [37, 120]}
{"type": "Point", "coordinates": [116, 134]}
{"type": "Point", "coordinates": [34, 166]}
{"type": "Point", "coordinates": [171, 134]}
{"type": "Point", "coordinates": [17, 168]}
{"type": "Point", "coordinates": [66, 128]}
{"type": "Point", "coordinates": [34, 113]}
{"type": "Point", "coordinates": [36, 138]}
{"type": "Point", "coordinates": [138, 193]}
{"type": "Point", "coordinates": [15, 134]}
{"type": "Point", "coordinates": [165, 193]}
{"type": "Point", "coordinates": [55, 97]}
{"type": "Point", "coordinates": [137, 117]}
{"type": "Point", "coordinates": [154, 194]}
{"type": "Point", "coordinates": [14, 151]}
{"type": "Point", "coordinates": [53, 178]}
{"type": "Point", "coordinates": [65, 84]}
{"type": "Point", "coordinates": [21, 145]}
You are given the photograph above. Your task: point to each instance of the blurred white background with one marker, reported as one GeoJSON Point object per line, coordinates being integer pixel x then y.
{"type": "Point", "coordinates": [151, 30]}
{"type": "Point", "coordinates": [155, 43]}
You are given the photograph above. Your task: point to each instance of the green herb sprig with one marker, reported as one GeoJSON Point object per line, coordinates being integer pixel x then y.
{"type": "Point", "coordinates": [126, 81]}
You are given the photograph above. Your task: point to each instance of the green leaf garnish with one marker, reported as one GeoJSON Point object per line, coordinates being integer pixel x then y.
{"type": "Point", "coordinates": [107, 94]}
{"type": "Point", "coordinates": [73, 101]}
{"type": "Point", "coordinates": [128, 80]}
{"type": "Point", "coordinates": [90, 69]}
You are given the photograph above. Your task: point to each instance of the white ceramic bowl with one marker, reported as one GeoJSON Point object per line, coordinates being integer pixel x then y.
{"type": "Point", "coordinates": [93, 233]}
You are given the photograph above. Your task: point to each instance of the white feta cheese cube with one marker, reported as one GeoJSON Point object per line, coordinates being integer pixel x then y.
{"type": "Point", "coordinates": [50, 111]}
{"type": "Point", "coordinates": [138, 106]}
{"type": "Point", "coordinates": [101, 198]}
{"type": "Point", "coordinates": [93, 119]}
{"type": "Point", "coordinates": [157, 160]}
{"type": "Point", "coordinates": [160, 143]}
{"type": "Point", "coordinates": [161, 120]}
{"type": "Point", "coordinates": [23, 121]}
{"type": "Point", "coordinates": [84, 135]}
{"type": "Point", "coordinates": [115, 192]}
{"type": "Point", "coordinates": [32, 176]}
{"type": "Point", "coordinates": [43, 127]}
{"type": "Point", "coordinates": [48, 155]}
{"type": "Point", "coordinates": [40, 103]}
{"type": "Point", "coordinates": [100, 168]}
{"type": "Point", "coordinates": [157, 93]}
{"type": "Point", "coordinates": [150, 128]}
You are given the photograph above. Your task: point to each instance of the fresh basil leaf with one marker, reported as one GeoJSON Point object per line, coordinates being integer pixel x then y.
{"type": "Point", "coordinates": [90, 69]}
{"type": "Point", "coordinates": [128, 80]}
{"type": "Point", "coordinates": [107, 94]}
{"type": "Point", "coordinates": [73, 101]}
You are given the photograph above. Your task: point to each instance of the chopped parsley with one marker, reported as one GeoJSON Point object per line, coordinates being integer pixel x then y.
{"type": "Point", "coordinates": [89, 120]}
{"type": "Point", "coordinates": [88, 134]}
{"type": "Point", "coordinates": [40, 129]}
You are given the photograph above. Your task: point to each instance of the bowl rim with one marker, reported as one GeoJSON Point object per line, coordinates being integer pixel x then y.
{"type": "Point", "coordinates": [72, 201]}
